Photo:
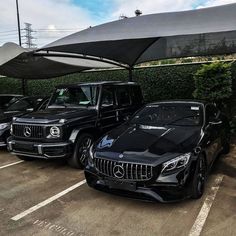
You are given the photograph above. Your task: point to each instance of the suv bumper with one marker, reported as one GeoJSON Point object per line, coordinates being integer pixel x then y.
{"type": "Point", "coordinates": [40, 150]}
{"type": "Point", "coordinates": [4, 134]}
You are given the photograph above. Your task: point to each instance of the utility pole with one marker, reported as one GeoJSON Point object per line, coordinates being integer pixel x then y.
{"type": "Point", "coordinates": [19, 35]}
{"type": "Point", "coordinates": [18, 22]}
{"type": "Point", "coordinates": [28, 35]}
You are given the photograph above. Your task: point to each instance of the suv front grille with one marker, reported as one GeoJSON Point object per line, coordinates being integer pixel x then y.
{"type": "Point", "coordinates": [36, 131]}
{"type": "Point", "coordinates": [131, 171]}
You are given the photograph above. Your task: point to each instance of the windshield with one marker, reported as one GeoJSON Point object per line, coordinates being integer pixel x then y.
{"type": "Point", "coordinates": [169, 114]}
{"type": "Point", "coordinates": [74, 97]}
{"type": "Point", "coordinates": [6, 101]}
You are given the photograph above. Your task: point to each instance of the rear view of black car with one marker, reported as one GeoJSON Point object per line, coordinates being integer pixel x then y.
{"type": "Point", "coordinates": [163, 153]}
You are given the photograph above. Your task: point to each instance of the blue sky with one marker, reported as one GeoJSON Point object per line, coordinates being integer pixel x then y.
{"type": "Point", "coordinates": [99, 9]}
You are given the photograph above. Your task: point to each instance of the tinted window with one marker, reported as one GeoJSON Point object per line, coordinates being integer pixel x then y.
{"type": "Point", "coordinates": [123, 96]}
{"type": "Point", "coordinates": [6, 101]}
{"type": "Point", "coordinates": [169, 114]}
{"type": "Point", "coordinates": [107, 97]}
{"type": "Point", "coordinates": [20, 105]}
{"type": "Point", "coordinates": [73, 97]}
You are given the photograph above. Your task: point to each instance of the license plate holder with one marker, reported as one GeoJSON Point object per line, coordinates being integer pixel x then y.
{"type": "Point", "coordinates": [25, 147]}
{"type": "Point", "coordinates": [122, 185]}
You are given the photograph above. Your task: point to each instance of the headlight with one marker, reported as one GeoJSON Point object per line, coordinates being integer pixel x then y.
{"type": "Point", "coordinates": [176, 163]}
{"type": "Point", "coordinates": [11, 129]}
{"type": "Point", "coordinates": [4, 126]}
{"type": "Point", "coordinates": [55, 131]}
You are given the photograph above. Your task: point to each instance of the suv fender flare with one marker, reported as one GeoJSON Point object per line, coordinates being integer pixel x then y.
{"type": "Point", "coordinates": [77, 131]}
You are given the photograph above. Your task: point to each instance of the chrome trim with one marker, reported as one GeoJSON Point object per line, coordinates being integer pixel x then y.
{"type": "Point", "coordinates": [132, 171]}
{"type": "Point", "coordinates": [2, 144]}
{"type": "Point", "coordinates": [39, 148]}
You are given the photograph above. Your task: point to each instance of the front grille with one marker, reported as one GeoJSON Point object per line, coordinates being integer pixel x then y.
{"type": "Point", "coordinates": [132, 171]}
{"type": "Point", "coordinates": [36, 131]}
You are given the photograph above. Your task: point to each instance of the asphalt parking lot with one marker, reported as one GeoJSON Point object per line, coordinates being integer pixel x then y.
{"type": "Point", "coordinates": [50, 198]}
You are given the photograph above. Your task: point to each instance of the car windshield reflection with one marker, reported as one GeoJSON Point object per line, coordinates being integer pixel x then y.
{"type": "Point", "coordinates": [169, 114]}
{"type": "Point", "coordinates": [73, 97]}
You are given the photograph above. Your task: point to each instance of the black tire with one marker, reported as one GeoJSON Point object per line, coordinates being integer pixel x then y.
{"type": "Point", "coordinates": [25, 158]}
{"type": "Point", "coordinates": [199, 180]}
{"type": "Point", "coordinates": [79, 157]}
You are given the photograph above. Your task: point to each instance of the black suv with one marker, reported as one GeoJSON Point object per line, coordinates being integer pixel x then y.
{"type": "Point", "coordinates": [75, 116]}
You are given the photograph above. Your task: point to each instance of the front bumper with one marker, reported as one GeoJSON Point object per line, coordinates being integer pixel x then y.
{"type": "Point", "coordinates": [40, 150]}
{"type": "Point", "coordinates": [4, 134]}
{"type": "Point", "coordinates": [152, 190]}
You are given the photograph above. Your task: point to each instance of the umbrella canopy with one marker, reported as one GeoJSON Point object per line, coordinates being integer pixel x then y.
{"type": "Point", "coordinates": [131, 41]}
{"type": "Point", "coordinates": [18, 62]}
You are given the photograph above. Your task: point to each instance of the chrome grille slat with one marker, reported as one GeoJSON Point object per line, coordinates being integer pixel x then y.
{"type": "Point", "coordinates": [36, 131]}
{"type": "Point", "coordinates": [132, 171]}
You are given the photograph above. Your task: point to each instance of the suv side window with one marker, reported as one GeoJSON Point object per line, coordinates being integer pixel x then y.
{"type": "Point", "coordinates": [107, 97]}
{"type": "Point", "coordinates": [212, 113]}
{"type": "Point", "coordinates": [123, 96]}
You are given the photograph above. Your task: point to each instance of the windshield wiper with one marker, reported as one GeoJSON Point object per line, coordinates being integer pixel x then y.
{"type": "Point", "coordinates": [182, 118]}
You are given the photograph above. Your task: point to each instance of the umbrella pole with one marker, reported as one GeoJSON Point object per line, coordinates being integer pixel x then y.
{"type": "Point", "coordinates": [130, 74]}
{"type": "Point", "coordinates": [24, 87]}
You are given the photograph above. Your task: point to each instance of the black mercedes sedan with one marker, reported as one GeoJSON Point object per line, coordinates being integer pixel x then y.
{"type": "Point", "coordinates": [163, 153]}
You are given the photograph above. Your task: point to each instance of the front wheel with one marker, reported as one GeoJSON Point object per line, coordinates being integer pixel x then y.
{"type": "Point", "coordinates": [199, 178]}
{"type": "Point", "coordinates": [79, 157]}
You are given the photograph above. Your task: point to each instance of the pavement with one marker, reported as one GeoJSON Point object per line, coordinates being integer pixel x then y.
{"type": "Point", "coordinates": [50, 198]}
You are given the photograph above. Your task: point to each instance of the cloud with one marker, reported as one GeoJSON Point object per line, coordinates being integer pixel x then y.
{"type": "Point", "coordinates": [62, 14]}
{"type": "Point", "coordinates": [212, 3]}
{"type": "Point", "coordinates": [150, 6]}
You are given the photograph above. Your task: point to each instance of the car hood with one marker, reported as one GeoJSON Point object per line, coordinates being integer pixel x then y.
{"type": "Point", "coordinates": [146, 142]}
{"type": "Point", "coordinates": [51, 115]}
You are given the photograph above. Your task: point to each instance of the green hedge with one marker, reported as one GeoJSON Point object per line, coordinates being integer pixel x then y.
{"type": "Point", "coordinates": [158, 83]}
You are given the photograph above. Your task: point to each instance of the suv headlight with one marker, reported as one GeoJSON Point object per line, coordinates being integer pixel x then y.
{"type": "Point", "coordinates": [4, 126]}
{"type": "Point", "coordinates": [55, 132]}
{"type": "Point", "coordinates": [176, 163]}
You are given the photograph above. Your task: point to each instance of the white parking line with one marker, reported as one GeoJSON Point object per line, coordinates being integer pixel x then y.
{"type": "Point", "coordinates": [47, 201]}
{"type": "Point", "coordinates": [11, 164]}
{"type": "Point", "coordinates": [203, 214]}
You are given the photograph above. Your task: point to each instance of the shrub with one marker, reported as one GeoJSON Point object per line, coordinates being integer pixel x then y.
{"type": "Point", "coordinates": [213, 82]}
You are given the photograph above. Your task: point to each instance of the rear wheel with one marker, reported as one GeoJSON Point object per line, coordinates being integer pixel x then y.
{"type": "Point", "coordinates": [199, 178]}
{"type": "Point", "coordinates": [79, 157]}
{"type": "Point", "coordinates": [25, 158]}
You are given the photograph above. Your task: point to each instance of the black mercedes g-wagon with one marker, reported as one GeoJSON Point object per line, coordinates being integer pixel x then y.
{"type": "Point", "coordinates": [76, 115]}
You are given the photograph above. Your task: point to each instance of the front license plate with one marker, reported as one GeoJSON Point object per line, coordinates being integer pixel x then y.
{"type": "Point", "coordinates": [129, 186]}
{"type": "Point", "coordinates": [24, 147]}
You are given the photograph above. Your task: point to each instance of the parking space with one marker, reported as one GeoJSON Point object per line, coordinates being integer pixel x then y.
{"type": "Point", "coordinates": [50, 198]}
